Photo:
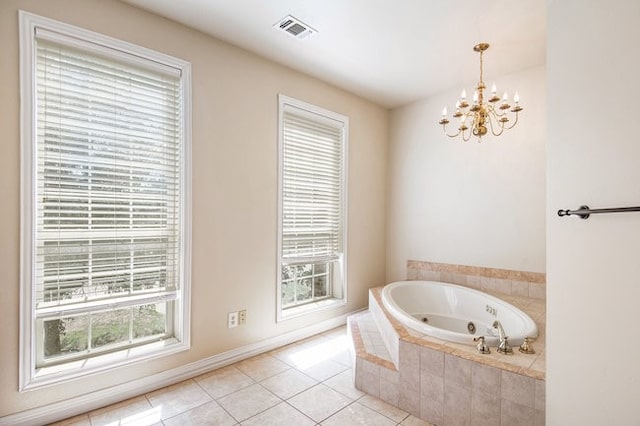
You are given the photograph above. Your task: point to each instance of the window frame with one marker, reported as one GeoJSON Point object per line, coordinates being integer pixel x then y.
{"type": "Point", "coordinates": [32, 377]}
{"type": "Point", "coordinates": [320, 114]}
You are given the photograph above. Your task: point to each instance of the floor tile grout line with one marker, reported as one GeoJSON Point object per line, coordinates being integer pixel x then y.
{"type": "Point", "coordinates": [335, 413]}
{"type": "Point", "coordinates": [301, 391]}
{"type": "Point", "coordinates": [227, 394]}
{"type": "Point", "coordinates": [381, 413]}
{"type": "Point", "coordinates": [212, 399]}
{"type": "Point", "coordinates": [292, 406]}
{"type": "Point", "coordinates": [266, 409]}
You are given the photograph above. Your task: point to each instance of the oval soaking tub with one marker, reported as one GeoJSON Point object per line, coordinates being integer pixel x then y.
{"type": "Point", "coordinates": [455, 313]}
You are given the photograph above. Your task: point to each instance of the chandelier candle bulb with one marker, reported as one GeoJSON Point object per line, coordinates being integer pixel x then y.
{"type": "Point", "coordinates": [482, 116]}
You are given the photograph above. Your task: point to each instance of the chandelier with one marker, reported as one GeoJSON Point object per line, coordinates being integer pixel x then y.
{"type": "Point", "coordinates": [476, 119]}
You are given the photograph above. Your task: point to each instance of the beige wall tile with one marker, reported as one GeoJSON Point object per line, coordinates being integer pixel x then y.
{"type": "Point", "coordinates": [485, 379]}
{"type": "Point", "coordinates": [537, 291]}
{"type": "Point", "coordinates": [457, 371]}
{"type": "Point", "coordinates": [371, 383]}
{"type": "Point", "coordinates": [390, 375]}
{"type": "Point", "coordinates": [520, 288]}
{"type": "Point", "coordinates": [518, 388]}
{"type": "Point", "coordinates": [540, 395]}
{"type": "Point", "coordinates": [485, 408]}
{"type": "Point", "coordinates": [409, 398]}
{"type": "Point", "coordinates": [389, 392]}
{"type": "Point", "coordinates": [457, 404]}
{"type": "Point", "coordinates": [539, 418]}
{"type": "Point", "coordinates": [432, 398]}
{"type": "Point", "coordinates": [432, 362]}
{"type": "Point", "coordinates": [502, 285]}
{"type": "Point", "coordinates": [514, 414]}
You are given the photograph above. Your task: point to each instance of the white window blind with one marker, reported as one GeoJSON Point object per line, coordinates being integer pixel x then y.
{"type": "Point", "coordinates": [312, 188]}
{"type": "Point", "coordinates": [108, 179]}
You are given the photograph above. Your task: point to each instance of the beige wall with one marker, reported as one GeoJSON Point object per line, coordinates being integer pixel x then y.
{"type": "Point", "coordinates": [479, 204]}
{"type": "Point", "coordinates": [593, 367]}
{"type": "Point", "coordinates": [234, 187]}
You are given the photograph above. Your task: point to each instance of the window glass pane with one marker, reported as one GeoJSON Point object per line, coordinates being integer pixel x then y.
{"type": "Point", "coordinates": [321, 280]}
{"type": "Point", "coordinates": [66, 335]}
{"type": "Point", "coordinates": [303, 290]}
{"type": "Point", "coordinates": [288, 292]}
{"type": "Point", "coordinates": [108, 328]}
{"type": "Point", "coordinates": [149, 320]}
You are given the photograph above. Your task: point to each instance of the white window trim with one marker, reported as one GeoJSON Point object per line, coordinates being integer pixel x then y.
{"type": "Point", "coordinates": [30, 376]}
{"type": "Point", "coordinates": [323, 304]}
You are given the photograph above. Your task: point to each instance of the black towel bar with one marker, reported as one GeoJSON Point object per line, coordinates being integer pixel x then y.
{"type": "Point", "coordinates": [584, 211]}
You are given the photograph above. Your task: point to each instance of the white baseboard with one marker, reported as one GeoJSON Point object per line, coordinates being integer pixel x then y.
{"type": "Point", "coordinates": [84, 403]}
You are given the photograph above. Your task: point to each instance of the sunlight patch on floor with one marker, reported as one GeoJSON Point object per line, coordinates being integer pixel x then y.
{"type": "Point", "coordinates": [307, 357]}
{"type": "Point", "coordinates": [143, 418]}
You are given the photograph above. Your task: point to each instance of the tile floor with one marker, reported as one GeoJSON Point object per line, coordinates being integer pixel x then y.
{"type": "Point", "coordinates": [305, 383]}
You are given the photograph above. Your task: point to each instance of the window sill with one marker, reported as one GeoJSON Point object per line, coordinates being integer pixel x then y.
{"type": "Point", "coordinates": [63, 373]}
{"type": "Point", "coordinates": [321, 305]}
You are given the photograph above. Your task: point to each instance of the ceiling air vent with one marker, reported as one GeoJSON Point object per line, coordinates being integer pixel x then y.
{"type": "Point", "coordinates": [295, 27]}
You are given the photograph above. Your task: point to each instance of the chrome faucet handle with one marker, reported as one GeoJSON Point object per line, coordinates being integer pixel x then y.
{"type": "Point", "coordinates": [505, 347]}
{"type": "Point", "coordinates": [483, 348]}
{"type": "Point", "coordinates": [527, 347]}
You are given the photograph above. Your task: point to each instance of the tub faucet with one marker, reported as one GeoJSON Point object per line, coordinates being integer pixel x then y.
{"type": "Point", "coordinates": [504, 346]}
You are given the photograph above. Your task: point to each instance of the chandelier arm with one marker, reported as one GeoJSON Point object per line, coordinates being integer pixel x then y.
{"type": "Point", "coordinates": [498, 113]}
{"type": "Point", "coordinates": [447, 134]}
{"type": "Point", "coordinates": [493, 116]}
{"type": "Point", "coordinates": [514, 122]}
{"type": "Point", "coordinates": [468, 136]}
{"type": "Point", "coordinates": [492, 111]}
{"type": "Point", "coordinates": [500, 124]}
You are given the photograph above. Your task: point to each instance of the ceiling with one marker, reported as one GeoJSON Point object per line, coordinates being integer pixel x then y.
{"type": "Point", "coordinates": [392, 52]}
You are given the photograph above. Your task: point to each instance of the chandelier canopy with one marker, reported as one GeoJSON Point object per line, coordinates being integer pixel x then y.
{"type": "Point", "coordinates": [476, 119]}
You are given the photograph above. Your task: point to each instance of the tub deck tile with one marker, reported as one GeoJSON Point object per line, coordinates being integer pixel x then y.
{"type": "Point", "coordinates": [531, 365]}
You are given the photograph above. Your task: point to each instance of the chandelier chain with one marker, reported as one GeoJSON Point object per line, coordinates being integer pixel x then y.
{"type": "Point", "coordinates": [481, 72]}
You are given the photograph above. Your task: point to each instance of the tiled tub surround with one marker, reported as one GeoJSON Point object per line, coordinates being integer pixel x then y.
{"type": "Point", "coordinates": [490, 280]}
{"type": "Point", "coordinates": [447, 383]}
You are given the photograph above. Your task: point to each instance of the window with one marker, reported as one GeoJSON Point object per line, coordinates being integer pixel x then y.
{"type": "Point", "coordinates": [106, 191]}
{"type": "Point", "coordinates": [312, 226]}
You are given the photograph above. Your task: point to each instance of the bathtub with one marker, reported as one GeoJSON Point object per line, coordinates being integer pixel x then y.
{"type": "Point", "coordinates": [454, 313]}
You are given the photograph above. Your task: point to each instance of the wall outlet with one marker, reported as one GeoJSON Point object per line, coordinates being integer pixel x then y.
{"type": "Point", "coordinates": [242, 317]}
{"type": "Point", "coordinates": [232, 319]}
